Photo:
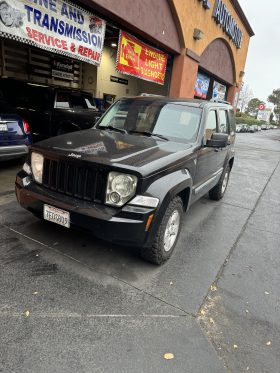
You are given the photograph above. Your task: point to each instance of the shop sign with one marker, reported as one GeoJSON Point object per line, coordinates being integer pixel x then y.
{"type": "Point", "coordinates": [62, 69]}
{"type": "Point", "coordinates": [219, 91]}
{"type": "Point", "coordinates": [201, 86]}
{"type": "Point", "coordinates": [116, 79]}
{"type": "Point", "coordinates": [264, 115]}
{"type": "Point", "coordinates": [223, 17]}
{"type": "Point", "coordinates": [139, 59]}
{"type": "Point", "coordinates": [54, 25]}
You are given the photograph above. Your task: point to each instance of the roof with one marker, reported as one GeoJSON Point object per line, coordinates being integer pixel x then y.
{"type": "Point", "coordinates": [243, 18]}
{"type": "Point", "coordinates": [179, 100]}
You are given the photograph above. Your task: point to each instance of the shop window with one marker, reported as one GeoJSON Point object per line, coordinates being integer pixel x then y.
{"type": "Point", "coordinates": [211, 125]}
{"type": "Point", "coordinates": [224, 122]}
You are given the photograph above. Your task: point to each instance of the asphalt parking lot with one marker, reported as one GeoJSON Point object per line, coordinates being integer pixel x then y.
{"type": "Point", "coordinates": [72, 303]}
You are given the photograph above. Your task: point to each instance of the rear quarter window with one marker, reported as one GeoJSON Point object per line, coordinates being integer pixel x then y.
{"type": "Point", "coordinates": [232, 121]}
{"type": "Point", "coordinates": [223, 121]}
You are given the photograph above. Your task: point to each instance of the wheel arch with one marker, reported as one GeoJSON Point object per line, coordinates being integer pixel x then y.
{"type": "Point", "coordinates": [178, 183]}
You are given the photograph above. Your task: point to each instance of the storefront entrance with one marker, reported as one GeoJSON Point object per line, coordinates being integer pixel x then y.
{"type": "Point", "coordinates": [29, 63]}
{"type": "Point", "coordinates": [216, 72]}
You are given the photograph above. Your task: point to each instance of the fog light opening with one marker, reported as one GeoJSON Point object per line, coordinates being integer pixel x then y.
{"type": "Point", "coordinates": [115, 197]}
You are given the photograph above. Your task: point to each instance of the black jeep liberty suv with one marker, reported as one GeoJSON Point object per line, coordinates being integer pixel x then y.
{"type": "Point", "coordinates": [132, 176]}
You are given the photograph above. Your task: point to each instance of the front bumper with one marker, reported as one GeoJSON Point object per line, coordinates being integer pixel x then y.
{"type": "Point", "coordinates": [126, 226]}
{"type": "Point", "coordinates": [13, 151]}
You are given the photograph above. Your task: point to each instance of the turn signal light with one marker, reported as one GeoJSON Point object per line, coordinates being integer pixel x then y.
{"type": "Point", "coordinates": [149, 222]}
{"type": "Point", "coordinates": [26, 127]}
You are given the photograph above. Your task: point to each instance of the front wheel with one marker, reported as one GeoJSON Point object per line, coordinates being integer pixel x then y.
{"type": "Point", "coordinates": [167, 234]}
{"type": "Point", "coordinates": [219, 190]}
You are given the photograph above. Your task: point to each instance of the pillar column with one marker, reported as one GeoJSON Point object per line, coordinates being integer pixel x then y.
{"type": "Point", "coordinates": [232, 91]}
{"type": "Point", "coordinates": [183, 79]}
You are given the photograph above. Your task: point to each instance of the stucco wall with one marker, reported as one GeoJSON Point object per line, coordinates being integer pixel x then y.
{"type": "Point", "coordinates": [152, 19]}
{"type": "Point", "coordinates": [191, 15]}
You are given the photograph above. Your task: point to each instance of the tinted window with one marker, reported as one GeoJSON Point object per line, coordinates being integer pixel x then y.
{"type": "Point", "coordinates": [232, 122]}
{"type": "Point", "coordinates": [211, 125]}
{"type": "Point", "coordinates": [38, 97]}
{"type": "Point", "coordinates": [74, 100]}
{"type": "Point", "coordinates": [224, 124]}
{"type": "Point", "coordinates": [167, 119]}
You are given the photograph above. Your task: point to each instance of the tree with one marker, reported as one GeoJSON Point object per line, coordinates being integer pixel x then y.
{"type": "Point", "coordinates": [275, 99]}
{"type": "Point", "coordinates": [253, 105]}
{"type": "Point", "coordinates": [245, 96]}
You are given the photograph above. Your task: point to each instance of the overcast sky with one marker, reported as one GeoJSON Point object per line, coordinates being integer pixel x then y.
{"type": "Point", "coordinates": [263, 62]}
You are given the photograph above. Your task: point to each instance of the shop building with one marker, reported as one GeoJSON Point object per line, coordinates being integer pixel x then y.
{"type": "Point", "coordinates": [215, 37]}
{"type": "Point", "coordinates": [174, 47]}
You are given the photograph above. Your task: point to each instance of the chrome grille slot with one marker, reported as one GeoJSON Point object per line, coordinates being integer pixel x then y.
{"type": "Point", "coordinates": [79, 182]}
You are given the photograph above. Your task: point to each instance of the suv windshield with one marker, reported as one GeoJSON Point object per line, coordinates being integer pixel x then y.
{"type": "Point", "coordinates": [154, 117]}
{"type": "Point", "coordinates": [74, 100]}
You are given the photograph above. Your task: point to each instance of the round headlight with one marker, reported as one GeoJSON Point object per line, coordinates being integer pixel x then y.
{"type": "Point", "coordinates": [37, 163]}
{"type": "Point", "coordinates": [120, 188]}
{"type": "Point", "coordinates": [124, 185]}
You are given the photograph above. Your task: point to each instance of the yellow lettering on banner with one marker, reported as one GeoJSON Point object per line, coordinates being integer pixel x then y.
{"type": "Point", "coordinates": [151, 74]}
{"type": "Point", "coordinates": [153, 64]}
{"type": "Point", "coordinates": [155, 55]}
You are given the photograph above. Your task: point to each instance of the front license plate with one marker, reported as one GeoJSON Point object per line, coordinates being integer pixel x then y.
{"type": "Point", "coordinates": [57, 216]}
{"type": "Point", "coordinates": [3, 127]}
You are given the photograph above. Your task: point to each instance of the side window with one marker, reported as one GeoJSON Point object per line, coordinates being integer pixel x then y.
{"type": "Point", "coordinates": [224, 122]}
{"type": "Point", "coordinates": [62, 100]}
{"type": "Point", "coordinates": [211, 125]}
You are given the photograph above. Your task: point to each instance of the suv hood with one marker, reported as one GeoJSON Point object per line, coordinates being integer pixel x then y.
{"type": "Point", "coordinates": [115, 149]}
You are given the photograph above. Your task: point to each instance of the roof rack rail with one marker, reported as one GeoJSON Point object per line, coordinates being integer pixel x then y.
{"type": "Point", "coordinates": [220, 101]}
{"type": "Point", "coordinates": [150, 95]}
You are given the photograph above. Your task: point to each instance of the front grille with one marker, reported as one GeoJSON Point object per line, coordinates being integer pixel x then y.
{"type": "Point", "coordinates": [79, 182]}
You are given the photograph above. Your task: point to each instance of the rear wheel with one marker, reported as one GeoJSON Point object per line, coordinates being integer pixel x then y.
{"type": "Point", "coordinates": [167, 234]}
{"type": "Point", "coordinates": [219, 190]}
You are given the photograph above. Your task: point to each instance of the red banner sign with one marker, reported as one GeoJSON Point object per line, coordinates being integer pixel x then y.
{"type": "Point", "coordinates": [138, 59]}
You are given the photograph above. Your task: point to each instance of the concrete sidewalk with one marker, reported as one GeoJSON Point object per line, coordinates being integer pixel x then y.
{"type": "Point", "coordinates": [241, 315]}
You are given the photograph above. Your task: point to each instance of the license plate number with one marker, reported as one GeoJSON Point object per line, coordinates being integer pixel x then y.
{"type": "Point", "coordinates": [3, 127]}
{"type": "Point", "coordinates": [57, 216]}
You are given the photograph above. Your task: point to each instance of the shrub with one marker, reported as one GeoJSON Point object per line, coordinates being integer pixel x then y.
{"type": "Point", "coordinates": [242, 118]}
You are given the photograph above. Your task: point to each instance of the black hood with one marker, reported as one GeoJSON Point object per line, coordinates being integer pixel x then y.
{"type": "Point", "coordinates": [115, 149]}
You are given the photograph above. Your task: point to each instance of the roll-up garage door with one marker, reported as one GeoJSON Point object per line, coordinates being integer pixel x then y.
{"type": "Point", "coordinates": [34, 65]}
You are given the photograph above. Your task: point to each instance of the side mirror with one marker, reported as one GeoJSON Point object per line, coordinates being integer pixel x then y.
{"type": "Point", "coordinates": [218, 140]}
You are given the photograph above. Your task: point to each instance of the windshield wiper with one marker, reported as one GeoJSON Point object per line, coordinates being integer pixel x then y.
{"type": "Point", "coordinates": [148, 133]}
{"type": "Point", "coordinates": [112, 128]}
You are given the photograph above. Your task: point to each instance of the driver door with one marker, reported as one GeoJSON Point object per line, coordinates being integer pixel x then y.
{"type": "Point", "coordinates": [207, 162]}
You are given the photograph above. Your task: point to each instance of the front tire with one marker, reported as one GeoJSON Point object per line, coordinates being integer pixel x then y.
{"type": "Point", "coordinates": [219, 190]}
{"type": "Point", "coordinates": [167, 234]}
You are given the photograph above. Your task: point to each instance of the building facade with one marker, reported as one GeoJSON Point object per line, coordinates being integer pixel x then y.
{"type": "Point", "coordinates": [183, 48]}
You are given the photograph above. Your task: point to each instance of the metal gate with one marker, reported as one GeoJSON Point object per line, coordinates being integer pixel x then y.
{"type": "Point", "coordinates": [33, 65]}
